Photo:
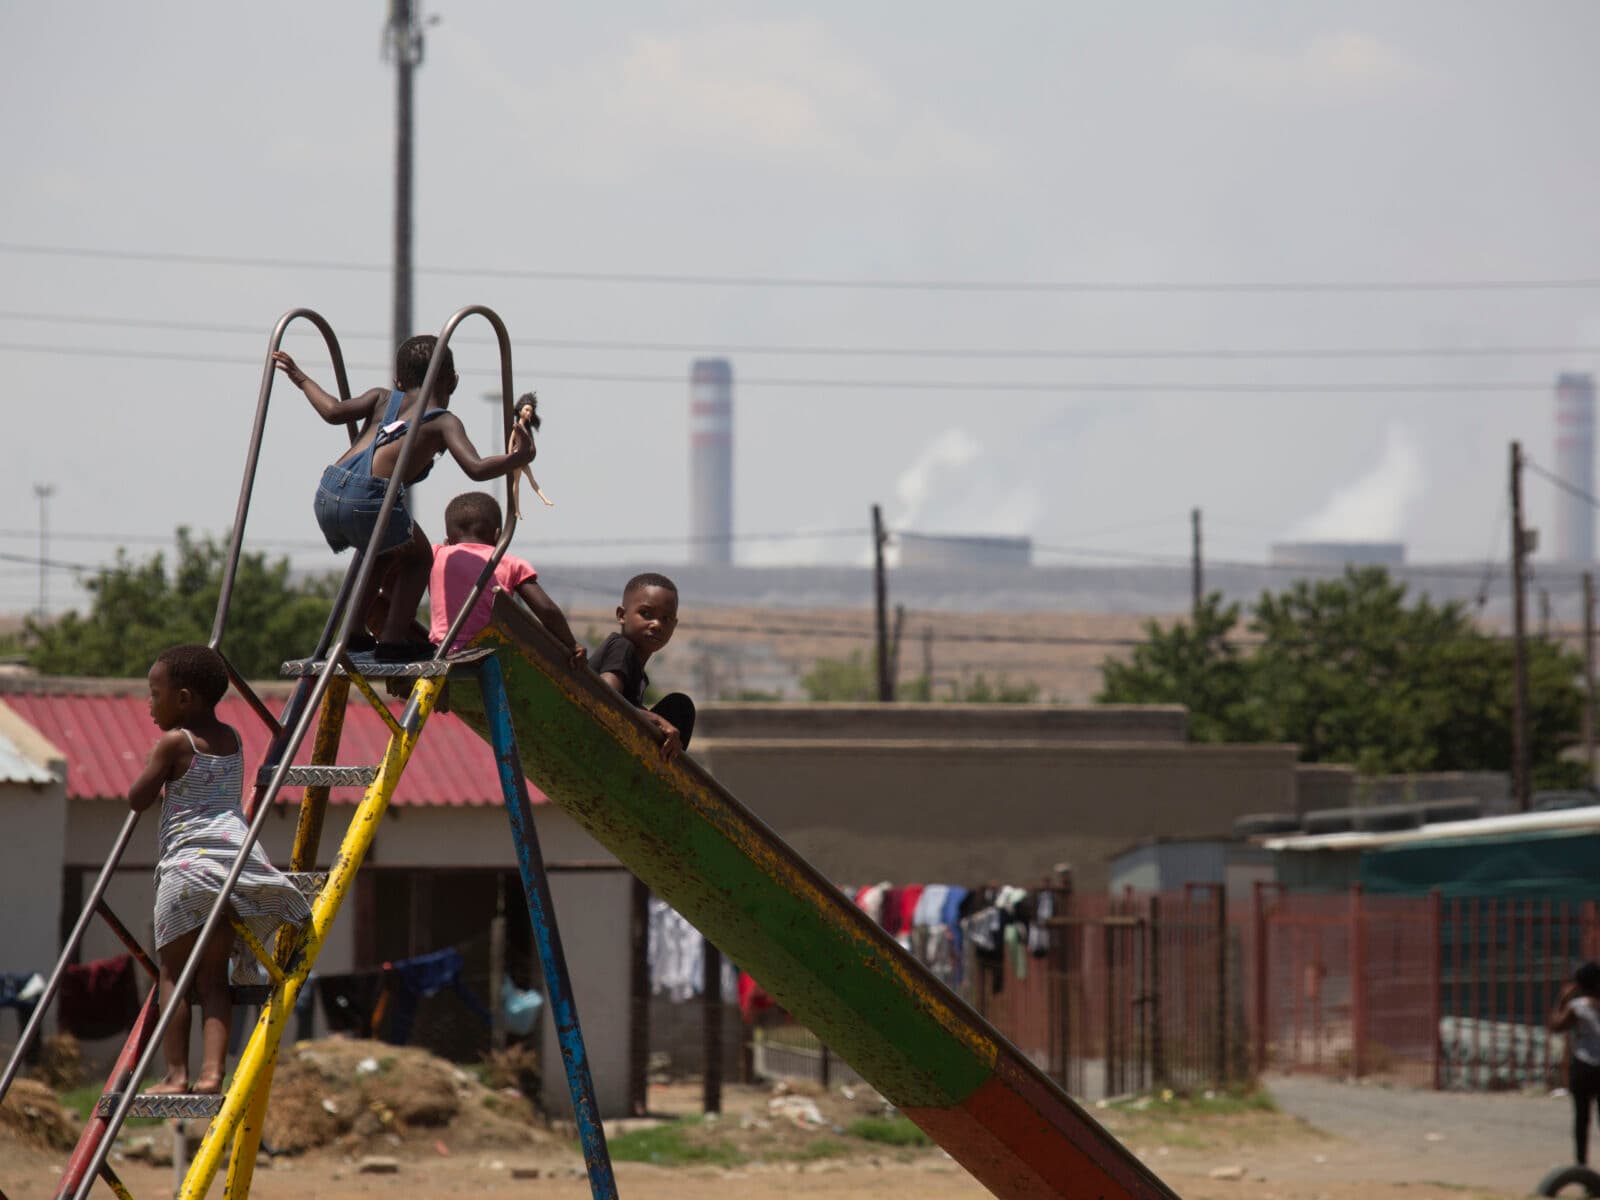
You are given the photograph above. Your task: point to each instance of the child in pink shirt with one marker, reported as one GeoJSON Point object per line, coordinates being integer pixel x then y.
{"type": "Point", "coordinates": [472, 526]}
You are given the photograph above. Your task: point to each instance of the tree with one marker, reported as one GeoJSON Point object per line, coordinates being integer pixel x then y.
{"type": "Point", "coordinates": [855, 679]}
{"type": "Point", "coordinates": [1194, 663]}
{"type": "Point", "coordinates": [1351, 672]}
{"type": "Point", "coordinates": [140, 608]}
{"type": "Point", "coordinates": [845, 679]}
{"type": "Point", "coordinates": [1002, 691]}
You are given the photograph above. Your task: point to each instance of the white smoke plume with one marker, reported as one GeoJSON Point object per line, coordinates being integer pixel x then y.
{"type": "Point", "coordinates": [937, 465]}
{"type": "Point", "coordinates": [1374, 507]}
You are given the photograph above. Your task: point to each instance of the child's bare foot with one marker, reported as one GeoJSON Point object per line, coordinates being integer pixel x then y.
{"type": "Point", "coordinates": [207, 1085]}
{"type": "Point", "coordinates": [170, 1085]}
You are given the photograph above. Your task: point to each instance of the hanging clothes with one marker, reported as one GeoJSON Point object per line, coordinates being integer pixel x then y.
{"type": "Point", "coordinates": [677, 957]}
{"type": "Point", "coordinates": [417, 979]}
{"type": "Point", "coordinates": [889, 913]}
{"type": "Point", "coordinates": [1044, 910]}
{"type": "Point", "coordinates": [98, 999]}
{"type": "Point", "coordinates": [910, 897]}
{"type": "Point", "coordinates": [950, 965]}
{"type": "Point", "coordinates": [677, 954]}
{"type": "Point", "coordinates": [752, 998]}
{"type": "Point", "coordinates": [21, 991]}
{"type": "Point", "coordinates": [870, 900]}
{"type": "Point", "coordinates": [520, 1008]}
{"type": "Point", "coordinates": [927, 930]}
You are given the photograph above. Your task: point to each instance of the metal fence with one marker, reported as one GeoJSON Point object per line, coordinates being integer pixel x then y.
{"type": "Point", "coordinates": [1133, 992]}
{"type": "Point", "coordinates": [1197, 989]}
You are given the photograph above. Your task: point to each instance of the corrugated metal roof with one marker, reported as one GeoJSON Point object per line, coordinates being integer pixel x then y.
{"type": "Point", "coordinates": [1561, 820]}
{"type": "Point", "coordinates": [106, 739]}
{"type": "Point", "coordinates": [17, 767]}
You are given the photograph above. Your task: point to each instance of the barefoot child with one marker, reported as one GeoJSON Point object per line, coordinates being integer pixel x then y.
{"type": "Point", "coordinates": [351, 491]}
{"type": "Point", "coordinates": [646, 618]}
{"type": "Point", "coordinates": [472, 524]}
{"type": "Point", "coordinates": [198, 764]}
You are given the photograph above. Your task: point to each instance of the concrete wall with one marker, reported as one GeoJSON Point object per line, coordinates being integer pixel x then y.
{"type": "Point", "coordinates": [592, 910]}
{"type": "Point", "coordinates": [34, 818]}
{"type": "Point", "coordinates": [593, 915]}
{"type": "Point", "coordinates": [1334, 785]}
{"type": "Point", "coordinates": [1168, 866]}
{"type": "Point", "coordinates": [1322, 785]}
{"type": "Point", "coordinates": [963, 811]}
{"type": "Point", "coordinates": [965, 722]}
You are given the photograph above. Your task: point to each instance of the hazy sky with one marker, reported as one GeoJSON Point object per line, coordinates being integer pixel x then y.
{"type": "Point", "coordinates": [1157, 143]}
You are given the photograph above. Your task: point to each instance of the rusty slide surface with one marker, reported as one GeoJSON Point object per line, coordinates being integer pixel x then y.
{"type": "Point", "coordinates": [804, 940]}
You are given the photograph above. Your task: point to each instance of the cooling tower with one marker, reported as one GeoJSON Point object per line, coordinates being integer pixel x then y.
{"type": "Point", "coordinates": [711, 461]}
{"type": "Point", "coordinates": [1575, 464]}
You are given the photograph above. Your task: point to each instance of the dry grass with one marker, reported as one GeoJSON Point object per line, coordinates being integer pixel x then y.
{"type": "Point", "coordinates": [32, 1115]}
{"type": "Point", "coordinates": [796, 638]}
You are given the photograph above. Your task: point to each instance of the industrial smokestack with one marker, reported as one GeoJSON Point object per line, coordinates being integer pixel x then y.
{"type": "Point", "coordinates": [1575, 464]}
{"type": "Point", "coordinates": [711, 461]}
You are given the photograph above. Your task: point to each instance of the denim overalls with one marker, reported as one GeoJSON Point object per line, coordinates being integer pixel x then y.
{"type": "Point", "coordinates": [350, 495]}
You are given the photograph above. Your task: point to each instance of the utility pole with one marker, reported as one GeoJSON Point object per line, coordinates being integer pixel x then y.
{"type": "Point", "coordinates": [927, 658]}
{"type": "Point", "coordinates": [44, 491]}
{"type": "Point", "coordinates": [1195, 562]}
{"type": "Point", "coordinates": [1521, 543]}
{"type": "Point", "coordinates": [403, 42]}
{"type": "Point", "coordinates": [894, 649]}
{"type": "Point", "coordinates": [1544, 612]}
{"type": "Point", "coordinates": [881, 589]}
{"type": "Point", "coordinates": [1588, 673]}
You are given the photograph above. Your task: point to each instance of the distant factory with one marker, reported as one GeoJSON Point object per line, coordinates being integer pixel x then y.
{"type": "Point", "coordinates": [711, 461]}
{"type": "Point", "coordinates": [1575, 464]}
{"type": "Point", "coordinates": [963, 550]}
{"type": "Point", "coordinates": [1338, 554]}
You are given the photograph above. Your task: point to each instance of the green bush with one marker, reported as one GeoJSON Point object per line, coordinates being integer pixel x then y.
{"type": "Point", "coordinates": [890, 1131]}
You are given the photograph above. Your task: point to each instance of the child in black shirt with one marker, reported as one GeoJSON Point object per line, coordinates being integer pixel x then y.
{"type": "Point", "coordinates": [647, 617]}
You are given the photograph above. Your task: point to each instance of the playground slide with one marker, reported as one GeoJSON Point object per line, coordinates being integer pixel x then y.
{"type": "Point", "coordinates": [802, 939]}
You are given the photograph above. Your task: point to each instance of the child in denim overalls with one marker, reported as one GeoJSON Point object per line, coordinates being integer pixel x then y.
{"type": "Point", "coordinates": [351, 491]}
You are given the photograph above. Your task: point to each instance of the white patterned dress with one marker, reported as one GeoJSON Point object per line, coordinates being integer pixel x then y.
{"type": "Point", "coordinates": [202, 828]}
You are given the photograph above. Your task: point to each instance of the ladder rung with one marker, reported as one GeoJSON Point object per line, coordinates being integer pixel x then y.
{"type": "Point", "coordinates": [371, 668]}
{"type": "Point", "coordinates": [310, 883]}
{"type": "Point", "coordinates": [177, 1107]}
{"type": "Point", "coordinates": [321, 776]}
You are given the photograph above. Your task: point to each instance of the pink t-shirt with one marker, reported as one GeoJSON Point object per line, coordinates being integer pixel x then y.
{"type": "Point", "coordinates": [455, 570]}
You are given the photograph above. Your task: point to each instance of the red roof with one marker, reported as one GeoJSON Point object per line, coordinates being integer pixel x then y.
{"type": "Point", "coordinates": [106, 739]}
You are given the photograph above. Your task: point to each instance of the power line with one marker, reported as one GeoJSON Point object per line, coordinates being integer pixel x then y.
{"type": "Point", "coordinates": [1489, 562]}
{"type": "Point", "coordinates": [707, 345]}
{"type": "Point", "coordinates": [976, 286]}
{"type": "Point", "coordinates": [1143, 558]}
{"type": "Point", "coordinates": [1571, 489]}
{"type": "Point", "coordinates": [33, 560]}
{"type": "Point", "coordinates": [822, 631]}
{"type": "Point", "coordinates": [152, 539]}
{"type": "Point", "coordinates": [1181, 560]}
{"type": "Point", "coordinates": [919, 385]}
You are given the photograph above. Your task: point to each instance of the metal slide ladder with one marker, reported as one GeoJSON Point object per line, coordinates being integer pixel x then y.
{"type": "Point", "coordinates": [321, 692]}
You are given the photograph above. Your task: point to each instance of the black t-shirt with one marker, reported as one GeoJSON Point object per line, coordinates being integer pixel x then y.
{"type": "Point", "coordinates": [619, 656]}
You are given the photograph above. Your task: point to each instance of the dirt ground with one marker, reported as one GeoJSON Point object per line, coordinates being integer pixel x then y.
{"type": "Point", "coordinates": [1368, 1143]}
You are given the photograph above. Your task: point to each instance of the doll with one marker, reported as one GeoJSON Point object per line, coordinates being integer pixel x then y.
{"type": "Point", "coordinates": [527, 420]}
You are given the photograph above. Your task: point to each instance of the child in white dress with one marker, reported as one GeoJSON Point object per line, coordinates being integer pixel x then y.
{"type": "Point", "coordinates": [198, 765]}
